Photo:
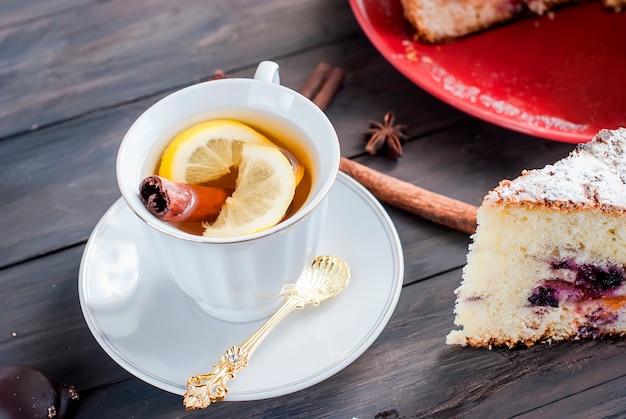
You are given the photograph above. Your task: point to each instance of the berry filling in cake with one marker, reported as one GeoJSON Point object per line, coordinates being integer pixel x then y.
{"type": "Point", "coordinates": [595, 291]}
{"type": "Point", "coordinates": [587, 282]}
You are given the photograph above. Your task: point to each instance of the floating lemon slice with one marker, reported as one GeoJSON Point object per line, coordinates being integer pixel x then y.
{"type": "Point", "coordinates": [264, 190]}
{"type": "Point", "coordinates": [207, 151]}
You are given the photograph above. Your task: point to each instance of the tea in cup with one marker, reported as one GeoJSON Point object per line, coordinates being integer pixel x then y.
{"type": "Point", "coordinates": [233, 265]}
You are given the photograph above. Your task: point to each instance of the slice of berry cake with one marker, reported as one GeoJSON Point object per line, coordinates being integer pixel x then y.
{"type": "Point", "coordinates": [548, 259]}
{"type": "Point", "coordinates": [437, 21]}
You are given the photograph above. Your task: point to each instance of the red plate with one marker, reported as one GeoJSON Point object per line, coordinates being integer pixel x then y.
{"type": "Point", "coordinates": [561, 78]}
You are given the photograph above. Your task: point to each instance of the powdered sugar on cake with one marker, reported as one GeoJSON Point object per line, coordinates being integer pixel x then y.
{"type": "Point", "coordinates": [593, 177]}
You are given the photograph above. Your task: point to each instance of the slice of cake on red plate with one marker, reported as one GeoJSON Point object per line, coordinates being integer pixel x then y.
{"type": "Point", "coordinates": [437, 21]}
{"type": "Point", "coordinates": [548, 259]}
{"type": "Point", "coordinates": [617, 5]}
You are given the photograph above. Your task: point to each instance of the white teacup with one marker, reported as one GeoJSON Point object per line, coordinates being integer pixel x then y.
{"type": "Point", "coordinates": [237, 278]}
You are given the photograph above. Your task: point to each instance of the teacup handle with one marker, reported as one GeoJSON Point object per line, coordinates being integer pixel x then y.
{"type": "Point", "coordinates": [267, 71]}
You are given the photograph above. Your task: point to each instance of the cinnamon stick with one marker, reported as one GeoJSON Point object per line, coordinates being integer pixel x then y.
{"type": "Point", "coordinates": [328, 90]}
{"type": "Point", "coordinates": [404, 195]}
{"type": "Point", "coordinates": [174, 201]}
{"type": "Point", "coordinates": [316, 80]}
{"type": "Point", "coordinates": [323, 84]}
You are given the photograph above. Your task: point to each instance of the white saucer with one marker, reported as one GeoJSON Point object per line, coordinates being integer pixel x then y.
{"type": "Point", "coordinates": [154, 331]}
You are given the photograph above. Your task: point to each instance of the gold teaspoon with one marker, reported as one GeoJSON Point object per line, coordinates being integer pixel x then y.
{"type": "Point", "coordinates": [323, 279]}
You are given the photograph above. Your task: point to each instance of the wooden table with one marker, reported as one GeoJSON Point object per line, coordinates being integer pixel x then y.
{"type": "Point", "coordinates": [74, 74]}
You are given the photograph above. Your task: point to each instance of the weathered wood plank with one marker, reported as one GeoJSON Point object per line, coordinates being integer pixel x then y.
{"type": "Point", "coordinates": [16, 12]}
{"type": "Point", "coordinates": [606, 400]}
{"type": "Point", "coordinates": [118, 51]}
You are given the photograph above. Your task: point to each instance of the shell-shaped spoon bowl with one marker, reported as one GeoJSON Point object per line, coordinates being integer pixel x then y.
{"type": "Point", "coordinates": [322, 280]}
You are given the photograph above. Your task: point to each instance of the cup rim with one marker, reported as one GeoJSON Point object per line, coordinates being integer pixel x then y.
{"type": "Point", "coordinates": [131, 198]}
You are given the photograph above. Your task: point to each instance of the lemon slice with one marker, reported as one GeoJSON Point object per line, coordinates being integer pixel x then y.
{"type": "Point", "coordinates": [264, 190]}
{"type": "Point", "coordinates": [206, 151]}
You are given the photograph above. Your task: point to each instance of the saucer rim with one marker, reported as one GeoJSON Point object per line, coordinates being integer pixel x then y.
{"type": "Point", "coordinates": [358, 348]}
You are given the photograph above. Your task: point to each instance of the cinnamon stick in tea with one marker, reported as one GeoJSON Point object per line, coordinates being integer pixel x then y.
{"type": "Point", "coordinates": [174, 201]}
{"type": "Point", "coordinates": [404, 195]}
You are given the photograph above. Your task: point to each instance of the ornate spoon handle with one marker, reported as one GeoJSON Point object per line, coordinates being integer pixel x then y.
{"type": "Point", "coordinates": [324, 279]}
{"type": "Point", "coordinates": [204, 389]}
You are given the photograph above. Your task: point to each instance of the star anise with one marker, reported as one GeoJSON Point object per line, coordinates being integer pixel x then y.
{"type": "Point", "coordinates": [385, 136]}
